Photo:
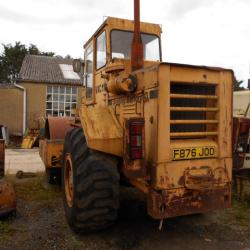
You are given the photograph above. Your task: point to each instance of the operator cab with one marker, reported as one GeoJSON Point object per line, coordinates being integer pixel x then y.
{"type": "Point", "coordinates": [111, 44]}
{"type": "Point", "coordinates": [114, 38]}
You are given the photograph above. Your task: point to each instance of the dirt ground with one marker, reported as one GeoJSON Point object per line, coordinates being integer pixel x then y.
{"type": "Point", "coordinates": [40, 224]}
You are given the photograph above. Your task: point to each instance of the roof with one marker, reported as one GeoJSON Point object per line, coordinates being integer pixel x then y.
{"type": "Point", "coordinates": [45, 69]}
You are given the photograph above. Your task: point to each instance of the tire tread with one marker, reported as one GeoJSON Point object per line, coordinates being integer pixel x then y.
{"type": "Point", "coordinates": [96, 184]}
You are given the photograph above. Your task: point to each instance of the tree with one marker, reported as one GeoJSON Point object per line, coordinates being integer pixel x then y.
{"type": "Point", "coordinates": [33, 50]}
{"type": "Point", "coordinates": [12, 57]}
{"type": "Point", "coordinates": [237, 86]}
{"type": "Point", "coordinates": [11, 61]}
{"type": "Point", "coordinates": [68, 57]}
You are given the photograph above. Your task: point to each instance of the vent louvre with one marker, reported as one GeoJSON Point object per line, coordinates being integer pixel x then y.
{"type": "Point", "coordinates": [193, 110]}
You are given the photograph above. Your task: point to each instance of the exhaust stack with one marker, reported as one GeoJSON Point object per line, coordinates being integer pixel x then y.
{"type": "Point", "coordinates": [137, 54]}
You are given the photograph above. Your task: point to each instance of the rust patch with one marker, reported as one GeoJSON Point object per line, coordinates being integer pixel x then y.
{"type": "Point", "coordinates": [134, 169]}
{"type": "Point", "coordinates": [180, 202]}
{"type": "Point", "coordinates": [181, 181]}
{"type": "Point", "coordinates": [57, 127]}
{"type": "Point", "coordinates": [199, 179]}
{"type": "Point", "coordinates": [205, 178]}
{"type": "Point", "coordinates": [7, 198]}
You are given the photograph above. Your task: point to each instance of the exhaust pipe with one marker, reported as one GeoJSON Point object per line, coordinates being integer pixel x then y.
{"type": "Point", "coordinates": [137, 54]}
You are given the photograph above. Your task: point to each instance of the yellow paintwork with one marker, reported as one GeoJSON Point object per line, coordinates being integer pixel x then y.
{"type": "Point", "coordinates": [166, 98]}
{"type": "Point", "coordinates": [103, 117]}
{"type": "Point", "coordinates": [28, 142]}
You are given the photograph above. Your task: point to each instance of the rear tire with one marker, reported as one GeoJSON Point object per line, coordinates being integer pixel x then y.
{"type": "Point", "coordinates": [90, 185]}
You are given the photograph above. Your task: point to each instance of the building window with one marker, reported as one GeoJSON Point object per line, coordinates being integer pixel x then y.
{"type": "Point", "coordinates": [61, 101]}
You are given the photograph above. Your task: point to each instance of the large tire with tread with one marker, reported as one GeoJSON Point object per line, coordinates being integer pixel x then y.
{"type": "Point", "coordinates": [91, 198]}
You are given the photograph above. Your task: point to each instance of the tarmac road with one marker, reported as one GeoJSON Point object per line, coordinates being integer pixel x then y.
{"type": "Point", "coordinates": [40, 224]}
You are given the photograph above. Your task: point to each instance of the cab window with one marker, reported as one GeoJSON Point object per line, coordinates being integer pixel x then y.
{"type": "Point", "coordinates": [101, 56]}
{"type": "Point", "coordinates": [88, 78]}
{"type": "Point", "coordinates": [121, 45]}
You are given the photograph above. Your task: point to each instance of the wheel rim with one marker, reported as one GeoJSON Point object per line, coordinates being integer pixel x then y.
{"type": "Point", "coordinates": [68, 180]}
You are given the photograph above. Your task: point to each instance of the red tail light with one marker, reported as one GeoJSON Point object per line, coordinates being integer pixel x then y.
{"type": "Point", "coordinates": [136, 128]}
{"type": "Point", "coordinates": [136, 138]}
{"type": "Point", "coordinates": [136, 141]}
{"type": "Point", "coordinates": [136, 153]}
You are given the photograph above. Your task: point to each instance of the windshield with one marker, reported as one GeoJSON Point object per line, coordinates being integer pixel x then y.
{"type": "Point", "coordinates": [121, 42]}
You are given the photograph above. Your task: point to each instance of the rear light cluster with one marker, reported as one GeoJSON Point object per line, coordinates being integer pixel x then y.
{"type": "Point", "coordinates": [136, 138]}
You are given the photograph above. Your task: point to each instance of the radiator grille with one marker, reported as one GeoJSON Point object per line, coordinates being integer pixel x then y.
{"type": "Point", "coordinates": [193, 110]}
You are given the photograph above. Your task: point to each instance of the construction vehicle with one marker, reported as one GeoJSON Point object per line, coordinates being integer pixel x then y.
{"type": "Point", "coordinates": [241, 129]}
{"type": "Point", "coordinates": [241, 141]}
{"type": "Point", "coordinates": [164, 127]}
{"type": "Point", "coordinates": [51, 146]}
{"type": "Point", "coordinates": [7, 193]}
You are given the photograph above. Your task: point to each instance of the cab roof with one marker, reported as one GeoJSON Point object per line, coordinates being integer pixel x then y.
{"type": "Point", "coordinates": [125, 24]}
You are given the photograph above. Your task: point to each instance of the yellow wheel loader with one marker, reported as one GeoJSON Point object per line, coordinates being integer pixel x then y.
{"type": "Point", "coordinates": [164, 127]}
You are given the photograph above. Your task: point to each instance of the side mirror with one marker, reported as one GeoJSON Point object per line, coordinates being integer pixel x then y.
{"type": "Point", "coordinates": [78, 64]}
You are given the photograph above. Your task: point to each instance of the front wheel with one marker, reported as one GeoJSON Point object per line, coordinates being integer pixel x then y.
{"type": "Point", "coordinates": [90, 185]}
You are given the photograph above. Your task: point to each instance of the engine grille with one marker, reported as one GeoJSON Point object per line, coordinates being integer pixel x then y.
{"type": "Point", "coordinates": [193, 110]}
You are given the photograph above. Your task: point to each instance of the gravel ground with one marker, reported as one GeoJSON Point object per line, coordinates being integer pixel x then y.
{"type": "Point", "coordinates": [40, 224]}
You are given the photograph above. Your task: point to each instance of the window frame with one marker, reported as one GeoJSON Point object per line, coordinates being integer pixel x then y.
{"type": "Point", "coordinates": [89, 100]}
{"type": "Point", "coordinates": [131, 31]}
{"type": "Point", "coordinates": [106, 43]}
{"type": "Point", "coordinates": [59, 101]}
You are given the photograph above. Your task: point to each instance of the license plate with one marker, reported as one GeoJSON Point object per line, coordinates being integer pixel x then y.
{"type": "Point", "coordinates": [193, 153]}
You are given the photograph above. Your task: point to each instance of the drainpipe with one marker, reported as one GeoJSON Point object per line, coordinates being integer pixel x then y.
{"type": "Point", "coordinates": [24, 105]}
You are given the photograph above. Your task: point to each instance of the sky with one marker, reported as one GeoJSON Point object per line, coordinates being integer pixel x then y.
{"type": "Point", "coordinates": [200, 32]}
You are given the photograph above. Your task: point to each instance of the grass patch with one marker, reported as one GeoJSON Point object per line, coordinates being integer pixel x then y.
{"type": "Point", "coordinates": [36, 189]}
{"type": "Point", "coordinates": [5, 231]}
{"type": "Point", "coordinates": [241, 211]}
